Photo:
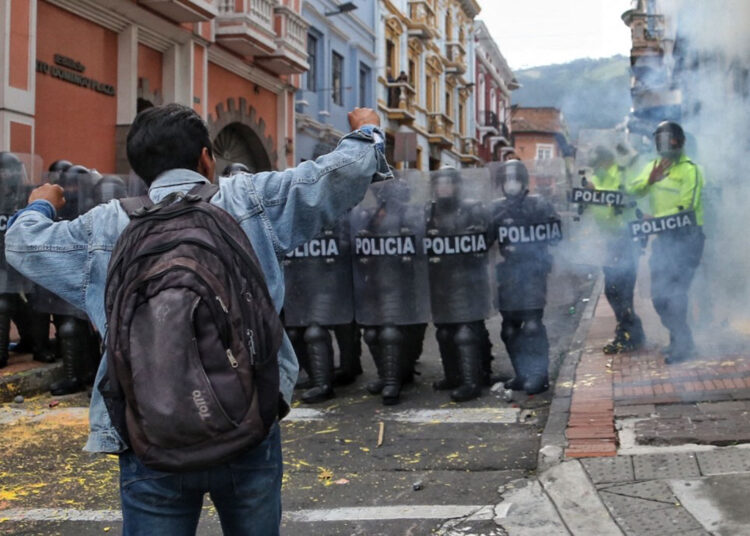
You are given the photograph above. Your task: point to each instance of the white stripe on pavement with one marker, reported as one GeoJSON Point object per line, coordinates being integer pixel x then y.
{"type": "Point", "coordinates": [456, 416]}
{"type": "Point", "coordinates": [361, 513]}
{"type": "Point", "coordinates": [424, 416]}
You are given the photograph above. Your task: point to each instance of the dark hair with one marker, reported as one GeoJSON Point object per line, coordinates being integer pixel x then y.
{"type": "Point", "coordinates": [166, 137]}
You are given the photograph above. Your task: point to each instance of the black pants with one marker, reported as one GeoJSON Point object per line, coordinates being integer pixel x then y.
{"type": "Point", "coordinates": [619, 287]}
{"type": "Point", "coordinates": [525, 339]}
{"type": "Point", "coordinates": [674, 258]}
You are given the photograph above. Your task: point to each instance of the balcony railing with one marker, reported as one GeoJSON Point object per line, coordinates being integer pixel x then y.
{"type": "Point", "coordinates": [422, 20]}
{"type": "Point", "coordinates": [401, 101]}
{"type": "Point", "coordinates": [248, 32]}
{"type": "Point", "coordinates": [290, 54]}
{"type": "Point", "coordinates": [439, 127]}
{"type": "Point", "coordinates": [489, 118]}
{"type": "Point", "coordinates": [456, 55]}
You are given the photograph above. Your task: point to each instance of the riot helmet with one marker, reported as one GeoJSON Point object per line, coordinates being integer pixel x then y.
{"type": "Point", "coordinates": [108, 188]}
{"type": "Point", "coordinates": [70, 180]}
{"type": "Point", "coordinates": [12, 176]}
{"type": "Point", "coordinates": [235, 167]}
{"type": "Point", "coordinates": [57, 167]}
{"type": "Point", "coordinates": [669, 139]}
{"type": "Point", "coordinates": [445, 184]}
{"type": "Point", "coordinates": [512, 177]}
{"type": "Point", "coordinates": [601, 158]}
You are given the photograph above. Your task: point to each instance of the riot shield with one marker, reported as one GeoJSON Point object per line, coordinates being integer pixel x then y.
{"type": "Point", "coordinates": [457, 245]}
{"type": "Point", "coordinates": [17, 174]}
{"type": "Point", "coordinates": [528, 262]}
{"type": "Point", "coordinates": [318, 279]}
{"type": "Point", "coordinates": [390, 267]}
{"type": "Point", "coordinates": [598, 200]}
{"type": "Point", "coordinates": [110, 187]}
{"type": "Point", "coordinates": [79, 190]}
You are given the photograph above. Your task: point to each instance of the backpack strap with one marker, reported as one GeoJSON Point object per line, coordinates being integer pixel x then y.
{"type": "Point", "coordinates": [205, 190]}
{"type": "Point", "coordinates": [133, 204]}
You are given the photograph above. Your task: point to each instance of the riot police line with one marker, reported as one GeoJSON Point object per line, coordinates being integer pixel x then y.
{"type": "Point", "coordinates": [32, 308]}
{"type": "Point", "coordinates": [451, 247]}
{"type": "Point", "coordinates": [418, 249]}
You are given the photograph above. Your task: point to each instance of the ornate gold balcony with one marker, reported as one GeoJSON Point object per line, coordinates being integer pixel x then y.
{"type": "Point", "coordinates": [469, 153]}
{"type": "Point", "coordinates": [422, 21]}
{"type": "Point", "coordinates": [401, 101]}
{"type": "Point", "coordinates": [456, 56]}
{"type": "Point", "coordinates": [439, 127]}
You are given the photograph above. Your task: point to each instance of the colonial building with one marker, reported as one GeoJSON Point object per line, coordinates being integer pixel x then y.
{"type": "Point", "coordinates": [494, 82]}
{"type": "Point", "coordinates": [342, 61]}
{"type": "Point", "coordinates": [76, 72]}
{"type": "Point", "coordinates": [426, 78]}
{"type": "Point", "coordinates": [653, 90]}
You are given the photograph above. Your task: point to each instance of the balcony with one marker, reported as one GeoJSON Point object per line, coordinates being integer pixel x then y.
{"type": "Point", "coordinates": [456, 55]}
{"type": "Point", "coordinates": [488, 123]}
{"type": "Point", "coordinates": [422, 22]}
{"type": "Point", "coordinates": [469, 151]}
{"type": "Point", "coordinates": [290, 53]}
{"type": "Point", "coordinates": [439, 128]}
{"type": "Point", "coordinates": [183, 10]}
{"type": "Point", "coordinates": [248, 31]}
{"type": "Point", "coordinates": [401, 101]}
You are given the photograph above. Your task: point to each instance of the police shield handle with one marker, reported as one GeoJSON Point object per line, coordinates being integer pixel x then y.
{"type": "Point", "coordinates": [360, 117]}
{"type": "Point", "coordinates": [52, 193]}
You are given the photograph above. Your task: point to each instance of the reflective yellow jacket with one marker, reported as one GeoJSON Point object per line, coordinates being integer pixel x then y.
{"type": "Point", "coordinates": [609, 218]}
{"type": "Point", "coordinates": [680, 189]}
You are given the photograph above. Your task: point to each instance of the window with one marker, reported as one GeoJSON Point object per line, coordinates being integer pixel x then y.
{"type": "Point", "coordinates": [364, 84]}
{"type": "Point", "coordinates": [337, 70]}
{"type": "Point", "coordinates": [545, 151]}
{"type": "Point", "coordinates": [390, 59]}
{"type": "Point", "coordinates": [312, 60]}
{"type": "Point", "coordinates": [449, 104]}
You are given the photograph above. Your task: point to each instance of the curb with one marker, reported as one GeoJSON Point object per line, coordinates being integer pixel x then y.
{"type": "Point", "coordinates": [30, 382]}
{"type": "Point", "coordinates": [553, 441]}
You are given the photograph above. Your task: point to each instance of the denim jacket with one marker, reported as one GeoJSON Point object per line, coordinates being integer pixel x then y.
{"type": "Point", "coordinates": [278, 210]}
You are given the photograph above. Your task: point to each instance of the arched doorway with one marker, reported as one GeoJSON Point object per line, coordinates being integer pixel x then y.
{"type": "Point", "coordinates": [237, 142]}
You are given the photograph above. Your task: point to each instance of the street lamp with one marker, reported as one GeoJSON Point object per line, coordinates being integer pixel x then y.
{"type": "Point", "coordinates": [346, 7]}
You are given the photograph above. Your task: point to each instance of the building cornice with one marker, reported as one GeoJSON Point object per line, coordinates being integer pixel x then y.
{"type": "Point", "coordinates": [115, 15]}
{"type": "Point", "coordinates": [349, 16]}
{"type": "Point", "coordinates": [236, 65]}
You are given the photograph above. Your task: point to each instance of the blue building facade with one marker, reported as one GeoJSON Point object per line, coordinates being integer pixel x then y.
{"type": "Point", "coordinates": [343, 67]}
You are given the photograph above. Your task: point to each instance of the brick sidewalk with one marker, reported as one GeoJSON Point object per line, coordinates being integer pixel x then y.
{"type": "Point", "coordinates": [606, 385]}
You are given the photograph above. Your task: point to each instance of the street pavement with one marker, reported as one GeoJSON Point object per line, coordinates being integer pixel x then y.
{"type": "Point", "coordinates": [439, 464]}
{"type": "Point", "coordinates": [623, 445]}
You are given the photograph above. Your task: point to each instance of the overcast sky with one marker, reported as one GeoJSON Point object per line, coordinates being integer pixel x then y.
{"type": "Point", "coordinates": [542, 32]}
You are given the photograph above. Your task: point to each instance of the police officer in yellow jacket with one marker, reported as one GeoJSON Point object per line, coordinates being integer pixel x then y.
{"type": "Point", "coordinates": [674, 185]}
{"type": "Point", "coordinates": [621, 256]}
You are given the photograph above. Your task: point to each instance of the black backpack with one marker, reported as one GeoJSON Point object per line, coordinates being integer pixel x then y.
{"type": "Point", "coordinates": [193, 335]}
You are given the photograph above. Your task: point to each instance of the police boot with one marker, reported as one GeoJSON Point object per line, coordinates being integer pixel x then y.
{"type": "Point", "coordinates": [510, 334]}
{"type": "Point", "coordinates": [72, 341]}
{"type": "Point", "coordinates": [391, 345]}
{"type": "Point", "coordinates": [41, 347]}
{"type": "Point", "coordinates": [296, 337]}
{"type": "Point", "coordinates": [470, 360]}
{"type": "Point", "coordinates": [370, 335]}
{"type": "Point", "coordinates": [6, 306]}
{"type": "Point", "coordinates": [350, 350]}
{"type": "Point", "coordinates": [449, 357]}
{"type": "Point", "coordinates": [682, 349]}
{"type": "Point", "coordinates": [21, 316]}
{"type": "Point", "coordinates": [320, 355]}
{"type": "Point", "coordinates": [535, 335]}
{"type": "Point", "coordinates": [618, 344]}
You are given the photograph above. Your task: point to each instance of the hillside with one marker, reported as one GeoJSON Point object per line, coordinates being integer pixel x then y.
{"type": "Point", "coordinates": [592, 93]}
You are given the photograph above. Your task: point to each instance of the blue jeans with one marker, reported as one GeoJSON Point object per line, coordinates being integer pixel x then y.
{"type": "Point", "coordinates": [246, 492]}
